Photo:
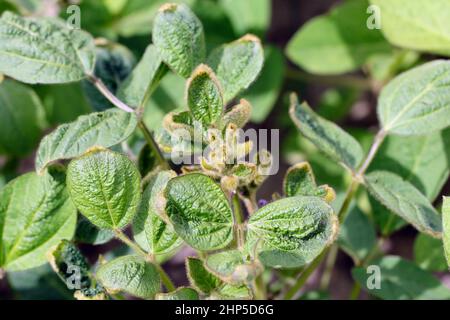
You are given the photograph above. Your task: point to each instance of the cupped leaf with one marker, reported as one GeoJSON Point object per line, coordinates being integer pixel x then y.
{"type": "Point", "coordinates": [403, 199]}
{"type": "Point", "coordinates": [429, 253]}
{"type": "Point", "coordinates": [35, 214]}
{"type": "Point", "coordinates": [291, 232]}
{"type": "Point", "coordinates": [22, 117]}
{"type": "Point", "coordinates": [324, 45]}
{"type": "Point", "coordinates": [395, 275]}
{"type": "Point", "coordinates": [178, 35]}
{"type": "Point", "coordinates": [415, 25]}
{"type": "Point", "coordinates": [104, 129]}
{"type": "Point", "coordinates": [199, 211]}
{"type": "Point", "coordinates": [105, 187]}
{"type": "Point", "coordinates": [418, 101]}
{"type": "Point", "coordinates": [300, 181]}
{"type": "Point", "coordinates": [34, 50]}
{"type": "Point", "coordinates": [204, 96]}
{"type": "Point", "coordinates": [150, 231]}
{"type": "Point", "coordinates": [182, 293]}
{"type": "Point", "coordinates": [237, 64]}
{"type": "Point", "coordinates": [446, 226]}
{"type": "Point", "coordinates": [325, 135]}
{"type": "Point", "coordinates": [136, 89]}
{"type": "Point", "coordinates": [199, 277]}
{"type": "Point", "coordinates": [130, 274]}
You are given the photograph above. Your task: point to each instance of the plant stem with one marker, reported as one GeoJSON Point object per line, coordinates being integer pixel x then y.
{"type": "Point", "coordinates": [153, 145]}
{"type": "Point", "coordinates": [238, 220]}
{"type": "Point", "coordinates": [98, 83]}
{"type": "Point", "coordinates": [259, 289]}
{"type": "Point", "coordinates": [329, 266]}
{"type": "Point", "coordinates": [354, 294]}
{"type": "Point", "coordinates": [379, 138]}
{"type": "Point", "coordinates": [165, 278]}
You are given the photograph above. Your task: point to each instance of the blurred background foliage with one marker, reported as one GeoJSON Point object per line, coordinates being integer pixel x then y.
{"type": "Point", "coordinates": [320, 49]}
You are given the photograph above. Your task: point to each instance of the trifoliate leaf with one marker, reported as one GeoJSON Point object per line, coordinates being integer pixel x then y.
{"type": "Point", "coordinates": [150, 231]}
{"type": "Point", "coordinates": [199, 211]}
{"type": "Point", "coordinates": [179, 38]}
{"type": "Point", "coordinates": [35, 214]}
{"type": "Point", "coordinates": [237, 64]}
{"type": "Point", "coordinates": [204, 96]}
{"type": "Point", "coordinates": [403, 199]}
{"type": "Point", "coordinates": [291, 232]}
{"type": "Point", "coordinates": [104, 129]}
{"type": "Point", "coordinates": [326, 136]}
{"type": "Point", "coordinates": [105, 188]}
{"type": "Point", "coordinates": [418, 101]}
{"type": "Point", "coordinates": [44, 50]}
{"type": "Point", "coordinates": [130, 274]}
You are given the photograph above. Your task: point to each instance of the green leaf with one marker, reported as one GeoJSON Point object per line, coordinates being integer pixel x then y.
{"type": "Point", "coordinates": [232, 267]}
{"type": "Point", "coordinates": [395, 281]}
{"type": "Point", "coordinates": [113, 64]}
{"type": "Point", "coordinates": [291, 232]}
{"type": "Point", "coordinates": [446, 227]}
{"type": "Point", "coordinates": [429, 253]}
{"type": "Point", "coordinates": [70, 140]}
{"type": "Point", "coordinates": [300, 181]}
{"type": "Point", "coordinates": [182, 293]}
{"type": "Point", "coordinates": [199, 211]}
{"type": "Point", "coordinates": [248, 16]}
{"type": "Point", "coordinates": [204, 96]}
{"type": "Point", "coordinates": [105, 187]}
{"type": "Point", "coordinates": [414, 25]}
{"type": "Point", "coordinates": [147, 160]}
{"type": "Point", "coordinates": [264, 92]}
{"type": "Point", "coordinates": [22, 117]}
{"type": "Point", "coordinates": [403, 199]}
{"type": "Point", "coordinates": [326, 136]}
{"type": "Point", "coordinates": [88, 233]}
{"type": "Point", "coordinates": [233, 292]}
{"type": "Point", "coordinates": [237, 64]}
{"type": "Point", "coordinates": [143, 80]}
{"type": "Point", "coordinates": [35, 214]}
{"type": "Point", "coordinates": [44, 50]}
{"type": "Point", "coordinates": [417, 102]}
{"type": "Point", "coordinates": [325, 44]}
{"type": "Point", "coordinates": [130, 274]}
{"type": "Point", "coordinates": [238, 115]}
{"type": "Point", "coordinates": [357, 235]}
{"type": "Point", "coordinates": [178, 35]}
{"type": "Point", "coordinates": [150, 231]}
{"type": "Point", "coordinates": [200, 278]}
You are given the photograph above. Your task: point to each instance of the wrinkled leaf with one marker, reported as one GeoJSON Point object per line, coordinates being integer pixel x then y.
{"type": "Point", "coordinates": [200, 278]}
{"type": "Point", "coordinates": [105, 187]}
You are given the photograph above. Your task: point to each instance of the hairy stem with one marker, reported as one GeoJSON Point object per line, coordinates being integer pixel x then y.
{"type": "Point", "coordinates": [238, 220]}
{"type": "Point", "coordinates": [165, 278]}
{"type": "Point", "coordinates": [98, 83]}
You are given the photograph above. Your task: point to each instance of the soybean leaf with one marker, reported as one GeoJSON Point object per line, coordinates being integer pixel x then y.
{"type": "Point", "coordinates": [446, 226]}
{"type": "Point", "coordinates": [113, 64]}
{"type": "Point", "coordinates": [130, 274]}
{"type": "Point", "coordinates": [357, 235]}
{"type": "Point", "coordinates": [291, 232]}
{"type": "Point", "coordinates": [395, 276]}
{"type": "Point", "coordinates": [300, 181]}
{"type": "Point", "coordinates": [238, 115]}
{"type": "Point", "coordinates": [105, 187]}
{"type": "Point", "coordinates": [264, 92]}
{"type": "Point", "coordinates": [88, 233]}
{"type": "Point", "coordinates": [36, 50]}
{"type": "Point", "coordinates": [182, 293]}
{"type": "Point", "coordinates": [179, 38]}
{"type": "Point", "coordinates": [200, 278]}
{"type": "Point", "coordinates": [414, 25]}
{"type": "Point", "coordinates": [70, 140]}
{"type": "Point", "coordinates": [429, 253]}
{"type": "Point", "coordinates": [140, 84]}
{"type": "Point", "coordinates": [417, 101]}
{"type": "Point", "coordinates": [35, 214]}
{"type": "Point", "coordinates": [150, 231]}
{"type": "Point", "coordinates": [147, 160]}
{"type": "Point", "coordinates": [325, 135]}
{"type": "Point", "coordinates": [199, 211]}
{"type": "Point", "coordinates": [233, 292]}
{"type": "Point", "coordinates": [324, 45]}
{"type": "Point", "coordinates": [248, 16]}
{"type": "Point", "coordinates": [204, 96]}
{"type": "Point", "coordinates": [403, 199]}
{"type": "Point", "coordinates": [237, 64]}
{"type": "Point", "coordinates": [22, 117]}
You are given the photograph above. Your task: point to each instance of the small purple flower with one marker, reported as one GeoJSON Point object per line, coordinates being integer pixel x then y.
{"type": "Point", "coordinates": [262, 202]}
